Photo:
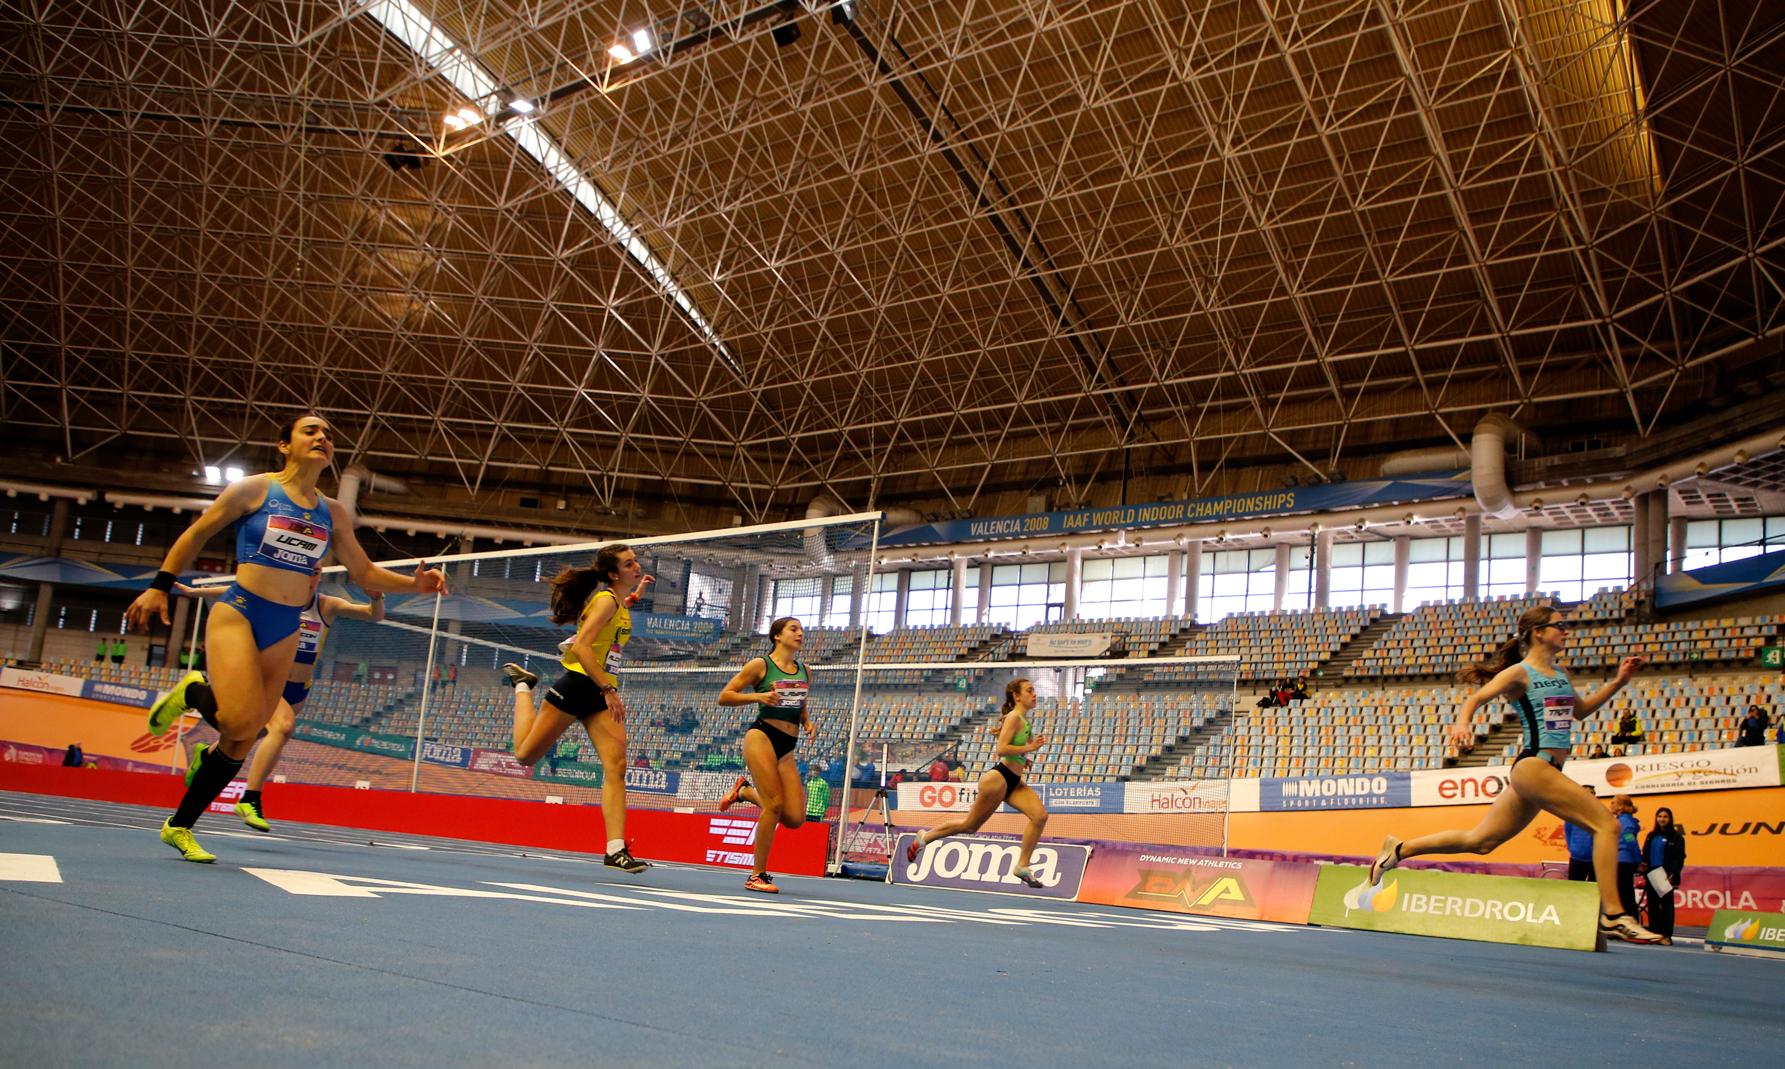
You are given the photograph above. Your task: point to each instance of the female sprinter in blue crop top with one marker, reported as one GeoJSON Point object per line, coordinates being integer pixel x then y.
{"type": "Point", "coordinates": [1547, 707]}
{"type": "Point", "coordinates": [285, 529]}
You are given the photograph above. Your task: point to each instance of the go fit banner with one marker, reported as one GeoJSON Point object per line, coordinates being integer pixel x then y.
{"type": "Point", "coordinates": [1178, 881]}
{"type": "Point", "coordinates": [1457, 905]}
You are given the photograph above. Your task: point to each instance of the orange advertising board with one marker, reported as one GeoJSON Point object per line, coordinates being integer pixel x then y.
{"type": "Point", "coordinates": [55, 720]}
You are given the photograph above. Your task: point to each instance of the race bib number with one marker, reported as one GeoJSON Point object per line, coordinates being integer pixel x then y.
{"type": "Point", "coordinates": [1558, 713]}
{"type": "Point", "coordinates": [293, 541]}
{"type": "Point", "coordinates": [309, 636]}
{"type": "Point", "coordinates": [612, 664]}
{"type": "Point", "coordinates": [790, 693]}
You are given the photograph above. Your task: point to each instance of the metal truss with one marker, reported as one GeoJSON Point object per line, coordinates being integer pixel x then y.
{"type": "Point", "coordinates": [931, 252]}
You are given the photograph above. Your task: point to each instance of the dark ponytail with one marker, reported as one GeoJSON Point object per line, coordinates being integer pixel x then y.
{"type": "Point", "coordinates": [1010, 692]}
{"type": "Point", "coordinates": [572, 587]}
{"type": "Point", "coordinates": [776, 628]}
{"type": "Point", "coordinates": [1510, 652]}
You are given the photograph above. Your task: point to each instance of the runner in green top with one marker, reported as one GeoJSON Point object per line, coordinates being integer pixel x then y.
{"type": "Point", "coordinates": [777, 685]}
{"type": "Point", "coordinates": [1003, 783]}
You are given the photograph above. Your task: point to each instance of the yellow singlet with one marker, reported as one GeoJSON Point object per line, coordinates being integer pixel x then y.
{"type": "Point", "coordinates": [608, 643]}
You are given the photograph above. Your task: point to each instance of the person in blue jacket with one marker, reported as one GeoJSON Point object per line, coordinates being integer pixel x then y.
{"type": "Point", "coordinates": [1629, 849]}
{"type": "Point", "coordinates": [1580, 850]}
{"type": "Point", "coordinates": [1664, 849]}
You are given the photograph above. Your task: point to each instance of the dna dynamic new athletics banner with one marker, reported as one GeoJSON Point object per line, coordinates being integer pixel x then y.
{"type": "Point", "coordinates": [1737, 929]}
{"type": "Point", "coordinates": [1178, 881]}
{"type": "Point", "coordinates": [1457, 905]}
{"type": "Point", "coordinates": [973, 863]}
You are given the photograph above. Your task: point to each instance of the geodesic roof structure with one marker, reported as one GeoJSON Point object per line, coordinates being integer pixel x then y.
{"type": "Point", "coordinates": [881, 249]}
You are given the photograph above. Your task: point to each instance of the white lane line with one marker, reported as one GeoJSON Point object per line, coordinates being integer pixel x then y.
{"type": "Point", "coordinates": [29, 868]}
{"type": "Point", "coordinates": [31, 820]}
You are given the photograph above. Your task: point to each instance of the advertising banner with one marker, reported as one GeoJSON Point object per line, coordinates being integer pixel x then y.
{"type": "Point", "coordinates": [1455, 905]}
{"type": "Point", "coordinates": [1705, 889]}
{"type": "Point", "coordinates": [947, 797]}
{"type": "Point", "coordinates": [439, 753]}
{"type": "Point", "coordinates": [1080, 797]}
{"type": "Point", "coordinates": [972, 863]}
{"type": "Point", "coordinates": [42, 682]}
{"type": "Point", "coordinates": [1745, 576]}
{"type": "Point", "coordinates": [117, 693]}
{"type": "Point", "coordinates": [1176, 881]}
{"type": "Point", "coordinates": [385, 745]}
{"type": "Point", "coordinates": [327, 734]}
{"type": "Point", "coordinates": [1175, 796]}
{"type": "Point", "coordinates": [1701, 770]}
{"type": "Point", "coordinates": [1355, 494]}
{"type": "Point", "coordinates": [1736, 929]}
{"type": "Point", "coordinates": [1381, 790]}
{"type": "Point", "coordinates": [589, 774]}
{"type": "Point", "coordinates": [1080, 644]}
{"type": "Point", "coordinates": [675, 628]}
{"type": "Point", "coordinates": [501, 762]}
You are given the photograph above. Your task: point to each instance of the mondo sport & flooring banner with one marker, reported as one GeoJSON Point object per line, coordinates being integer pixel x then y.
{"type": "Point", "coordinates": [1737, 929]}
{"type": "Point", "coordinates": [974, 863]}
{"type": "Point", "coordinates": [1455, 905]}
{"type": "Point", "coordinates": [1177, 881]}
{"type": "Point", "coordinates": [1381, 790]}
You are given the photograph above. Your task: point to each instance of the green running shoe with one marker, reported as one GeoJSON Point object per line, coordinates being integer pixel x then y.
{"type": "Point", "coordinates": [250, 815]}
{"type": "Point", "coordinates": [181, 839]}
{"type": "Point", "coordinates": [198, 754]}
{"type": "Point", "coordinates": [169, 706]}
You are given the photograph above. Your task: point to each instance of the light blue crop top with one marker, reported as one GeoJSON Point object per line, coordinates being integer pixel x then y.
{"type": "Point", "coordinates": [1546, 711]}
{"type": "Point", "coordinates": [284, 534]}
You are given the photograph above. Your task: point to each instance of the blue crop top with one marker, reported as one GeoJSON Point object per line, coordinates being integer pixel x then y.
{"type": "Point", "coordinates": [284, 534]}
{"type": "Point", "coordinates": [311, 628]}
{"type": "Point", "coordinates": [1546, 711]}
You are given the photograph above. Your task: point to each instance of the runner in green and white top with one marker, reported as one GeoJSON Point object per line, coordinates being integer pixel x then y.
{"type": "Point", "coordinates": [777, 684]}
{"type": "Point", "coordinates": [1003, 783]}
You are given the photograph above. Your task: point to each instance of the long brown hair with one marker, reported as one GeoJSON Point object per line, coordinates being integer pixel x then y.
{"type": "Point", "coordinates": [1010, 692]}
{"type": "Point", "coordinates": [1512, 651]}
{"type": "Point", "coordinates": [572, 587]}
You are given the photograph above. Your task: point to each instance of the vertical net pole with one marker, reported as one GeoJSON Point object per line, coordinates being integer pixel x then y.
{"type": "Point", "coordinates": [178, 757]}
{"type": "Point", "coordinates": [1233, 719]}
{"type": "Point", "coordinates": [427, 685]}
{"type": "Point", "coordinates": [855, 700]}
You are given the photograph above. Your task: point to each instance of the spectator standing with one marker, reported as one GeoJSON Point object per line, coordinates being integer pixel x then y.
{"type": "Point", "coordinates": [818, 796]}
{"type": "Point", "coordinates": [120, 650]}
{"type": "Point", "coordinates": [1629, 849]}
{"type": "Point", "coordinates": [104, 651]}
{"type": "Point", "coordinates": [73, 757]}
{"type": "Point", "coordinates": [1580, 850]}
{"type": "Point", "coordinates": [1664, 851]}
{"type": "Point", "coordinates": [1752, 730]}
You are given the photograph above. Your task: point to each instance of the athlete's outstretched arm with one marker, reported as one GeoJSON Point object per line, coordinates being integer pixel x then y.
{"type": "Point", "coordinates": [368, 576]}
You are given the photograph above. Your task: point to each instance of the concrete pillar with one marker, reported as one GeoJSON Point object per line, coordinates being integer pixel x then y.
{"type": "Point", "coordinates": [901, 597]}
{"type": "Point", "coordinates": [1174, 581]}
{"type": "Point", "coordinates": [1645, 559]}
{"type": "Point", "coordinates": [1676, 543]}
{"type": "Point", "coordinates": [1192, 578]}
{"type": "Point", "coordinates": [985, 593]}
{"type": "Point", "coordinates": [1403, 555]}
{"type": "Point", "coordinates": [858, 596]}
{"type": "Point", "coordinates": [957, 601]}
{"type": "Point", "coordinates": [40, 618]}
{"type": "Point", "coordinates": [1472, 556]}
{"type": "Point", "coordinates": [765, 603]}
{"type": "Point", "coordinates": [1533, 559]}
{"type": "Point", "coordinates": [1075, 567]}
{"type": "Point", "coordinates": [1658, 525]}
{"type": "Point", "coordinates": [1323, 569]}
{"type": "Point", "coordinates": [827, 586]}
{"type": "Point", "coordinates": [1282, 577]}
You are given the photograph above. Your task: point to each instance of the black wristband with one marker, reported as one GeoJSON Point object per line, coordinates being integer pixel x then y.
{"type": "Point", "coordinates": [164, 582]}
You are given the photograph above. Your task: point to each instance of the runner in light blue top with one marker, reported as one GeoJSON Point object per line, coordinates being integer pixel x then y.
{"type": "Point", "coordinates": [1523, 671]}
